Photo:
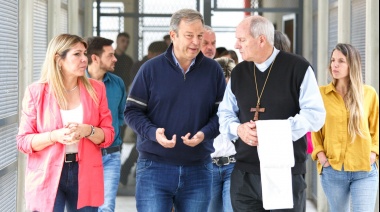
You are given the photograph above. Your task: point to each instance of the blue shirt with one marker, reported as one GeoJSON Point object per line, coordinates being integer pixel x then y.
{"type": "Point", "coordinates": [179, 66]}
{"type": "Point", "coordinates": [116, 97]}
{"type": "Point", "coordinates": [310, 101]}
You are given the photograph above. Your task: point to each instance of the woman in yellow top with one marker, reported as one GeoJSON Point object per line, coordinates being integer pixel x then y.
{"type": "Point", "coordinates": [347, 146]}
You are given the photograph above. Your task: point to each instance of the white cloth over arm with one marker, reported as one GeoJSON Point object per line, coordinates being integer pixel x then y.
{"type": "Point", "coordinates": [276, 156]}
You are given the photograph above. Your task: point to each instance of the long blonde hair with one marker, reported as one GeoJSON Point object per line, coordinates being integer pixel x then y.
{"type": "Point", "coordinates": [51, 73]}
{"type": "Point", "coordinates": [355, 95]}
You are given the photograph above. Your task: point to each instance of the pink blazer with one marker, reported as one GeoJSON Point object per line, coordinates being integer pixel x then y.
{"type": "Point", "coordinates": [41, 113]}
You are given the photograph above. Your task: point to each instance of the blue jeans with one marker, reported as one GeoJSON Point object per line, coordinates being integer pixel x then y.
{"type": "Point", "coordinates": [67, 193]}
{"type": "Point", "coordinates": [220, 196]}
{"type": "Point", "coordinates": [111, 166]}
{"type": "Point", "coordinates": [160, 185]}
{"type": "Point", "coordinates": [342, 186]}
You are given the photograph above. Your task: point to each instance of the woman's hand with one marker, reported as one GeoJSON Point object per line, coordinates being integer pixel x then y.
{"type": "Point", "coordinates": [323, 160]}
{"type": "Point", "coordinates": [70, 134]}
{"type": "Point", "coordinates": [372, 157]}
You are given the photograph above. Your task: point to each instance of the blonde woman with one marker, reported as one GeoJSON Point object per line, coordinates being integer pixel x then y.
{"type": "Point", "coordinates": [347, 146]}
{"type": "Point", "coordinates": [65, 121]}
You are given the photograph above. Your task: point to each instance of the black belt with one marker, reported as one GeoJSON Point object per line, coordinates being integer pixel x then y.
{"type": "Point", "coordinates": [71, 157]}
{"type": "Point", "coordinates": [222, 161]}
{"type": "Point", "coordinates": [112, 149]}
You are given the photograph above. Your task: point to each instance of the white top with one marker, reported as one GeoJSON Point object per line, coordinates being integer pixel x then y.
{"type": "Point", "coordinates": [74, 115]}
{"type": "Point", "coordinates": [223, 147]}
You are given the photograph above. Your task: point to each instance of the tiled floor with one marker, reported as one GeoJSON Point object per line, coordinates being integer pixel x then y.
{"type": "Point", "coordinates": [125, 201]}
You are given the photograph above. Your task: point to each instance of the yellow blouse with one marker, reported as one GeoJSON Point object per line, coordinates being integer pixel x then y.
{"type": "Point", "coordinates": [333, 137]}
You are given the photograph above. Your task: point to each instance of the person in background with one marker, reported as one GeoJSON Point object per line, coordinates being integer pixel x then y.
{"type": "Point", "coordinates": [124, 62]}
{"type": "Point", "coordinates": [64, 124]}
{"type": "Point", "coordinates": [230, 54]}
{"type": "Point", "coordinates": [172, 107]}
{"type": "Point", "coordinates": [101, 61]}
{"type": "Point", "coordinates": [274, 77]}
{"type": "Point", "coordinates": [219, 51]}
{"type": "Point", "coordinates": [208, 47]}
{"type": "Point", "coordinates": [281, 41]}
{"type": "Point", "coordinates": [155, 48]}
{"type": "Point", "coordinates": [347, 146]}
{"type": "Point", "coordinates": [123, 66]}
{"type": "Point", "coordinates": [223, 158]}
{"type": "Point", "coordinates": [167, 39]}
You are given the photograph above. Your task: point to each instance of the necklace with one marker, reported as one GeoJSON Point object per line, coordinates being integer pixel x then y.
{"type": "Point", "coordinates": [70, 90]}
{"type": "Point", "coordinates": [258, 109]}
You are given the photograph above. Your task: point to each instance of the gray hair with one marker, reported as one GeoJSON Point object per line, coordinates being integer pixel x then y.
{"type": "Point", "coordinates": [227, 65]}
{"type": "Point", "coordinates": [262, 26]}
{"type": "Point", "coordinates": [208, 28]}
{"type": "Point", "coordinates": [187, 15]}
{"type": "Point", "coordinates": [281, 41]}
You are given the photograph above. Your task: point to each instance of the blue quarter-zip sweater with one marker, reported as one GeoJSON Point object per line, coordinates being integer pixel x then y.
{"type": "Point", "coordinates": [162, 96]}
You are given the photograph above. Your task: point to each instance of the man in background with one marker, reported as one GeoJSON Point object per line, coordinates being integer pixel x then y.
{"type": "Point", "coordinates": [154, 49]}
{"type": "Point", "coordinates": [101, 60]}
{"type": "Point", "coordinates": [209, 42]}
{"type": "Point", "coordinates": [124, 62]}
{"type": "Point", "coordinates": [167, 39]}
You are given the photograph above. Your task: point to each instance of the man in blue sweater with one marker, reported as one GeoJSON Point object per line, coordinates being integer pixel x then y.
{"type": "Point", "coordinates": [101, 60]}
{"type": "Point", "coordinates": [172, 107]}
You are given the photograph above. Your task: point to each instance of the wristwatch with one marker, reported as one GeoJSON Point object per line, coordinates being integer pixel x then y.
{"type": "Point", "coordinates": [92, 131]}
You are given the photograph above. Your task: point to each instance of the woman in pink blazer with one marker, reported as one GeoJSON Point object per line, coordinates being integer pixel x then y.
{"type": "Point", "coordinates": [65, 121]}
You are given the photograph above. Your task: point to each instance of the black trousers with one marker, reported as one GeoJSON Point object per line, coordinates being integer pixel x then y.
{"type": "Point", "coordinates": [246, 193]}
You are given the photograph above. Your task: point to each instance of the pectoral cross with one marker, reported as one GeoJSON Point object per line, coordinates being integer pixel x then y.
{"type": "Point", "coordinates": [257, 110]}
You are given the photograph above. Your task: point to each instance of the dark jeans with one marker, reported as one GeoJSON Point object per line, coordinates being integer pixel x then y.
{"type": "Point", "coordinates": [246, 193]}
{"type": "Point", "coordinates": [67, 194]}
{"type": "Point", "coordinates": [128, 164]}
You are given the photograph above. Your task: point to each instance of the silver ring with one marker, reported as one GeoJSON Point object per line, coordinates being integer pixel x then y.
{"type": "Point", "coordinates": [250, 142]}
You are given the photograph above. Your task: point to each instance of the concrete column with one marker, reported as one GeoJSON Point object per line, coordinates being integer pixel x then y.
{"type": "Point", "coordinates": [307, 46]}
{"type": "Point", "coordinates": [88, 18]}
{"type": "Point", "coordinates": [25, 78]}
{"type": "Point", "coordinates": [73, 16]}
{"type": "Point", "coordinates": [344, 26]}
{"type": "Point", "coordinates": [372, 52]}
{"type": "Point", "coordinates": [308, 30]}
{"type": "Point", "coordinates": [372, 44]}
{"type": "Point", "coordinates": [54, 10]}
{"type": "Point", "coordinates": [323, 30]}
{"type": "Point", "coordinates": [131, 27]}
